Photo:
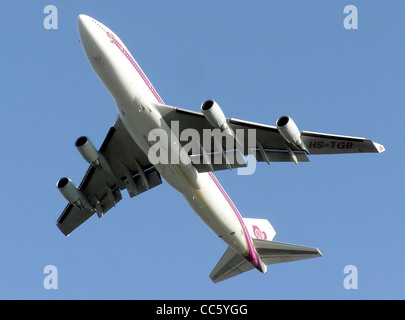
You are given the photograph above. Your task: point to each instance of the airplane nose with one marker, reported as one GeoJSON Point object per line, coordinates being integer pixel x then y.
{"type": "Point", "coordinates": [82, 18]}
{"type": "Point", "coordinates": [87, 32]}
{"type": "Point", "coordinates": [83, 23]}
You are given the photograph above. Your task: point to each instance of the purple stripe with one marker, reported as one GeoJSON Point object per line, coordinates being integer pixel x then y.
{"type": "Point", "coordinates": [252, 256]}
{"type": "Point", "coordinates": [136, 66]}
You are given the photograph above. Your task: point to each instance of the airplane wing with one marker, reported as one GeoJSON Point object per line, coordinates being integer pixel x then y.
{"type": "Point", "coordinates": [124, 166]}
{"type": "Point", "coordinates": [270, 144]}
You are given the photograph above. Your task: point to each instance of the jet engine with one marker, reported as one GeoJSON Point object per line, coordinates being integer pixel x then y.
{"type": "Point", "coordinates": [213, 113]}
{"type": "Point", "coordinates": [88, 151]}
{"type": "Point", "coordinates": [289, 130]}
{"type": "Point", "coordinates": [72, 194]}
{"type": "Point", "coordinates": [91, 155]}
{"type": "Point", "coordinates": [215, 116]}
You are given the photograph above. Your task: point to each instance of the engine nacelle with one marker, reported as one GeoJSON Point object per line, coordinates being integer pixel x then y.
{"type": "Point", "coordinates": [72, 194]}
{"type": "Point", "coordinates": [213, 113]}
{"type": "Point", "coordinates": [289, 130]}
{"type": "Point", "coordinates": [88, 151]}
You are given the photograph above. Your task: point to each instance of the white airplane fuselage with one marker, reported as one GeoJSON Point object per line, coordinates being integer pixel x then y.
{"type": "Point", "coordinates": [136, 98]}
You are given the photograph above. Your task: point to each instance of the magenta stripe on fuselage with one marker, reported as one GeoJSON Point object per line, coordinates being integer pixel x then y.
{"type": "Point", "coordinates": [136, 66]}
{"type": "Point", "coordinates": [252, 256]}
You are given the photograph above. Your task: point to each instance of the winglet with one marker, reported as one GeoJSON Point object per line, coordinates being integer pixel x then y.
{"type": "Point", "coordinates": [379, 147]}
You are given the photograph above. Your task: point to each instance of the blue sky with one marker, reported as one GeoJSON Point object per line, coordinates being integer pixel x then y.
{"type": "Point", "coordinates": [259, 60]}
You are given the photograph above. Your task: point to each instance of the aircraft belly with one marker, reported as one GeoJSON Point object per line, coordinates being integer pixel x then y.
{"type": "Point", "coordinates": [217, 213]}
{"type": "Point", "coordinates": [198, 189]}
{"type": "Point", "coordinates": [135, 105]}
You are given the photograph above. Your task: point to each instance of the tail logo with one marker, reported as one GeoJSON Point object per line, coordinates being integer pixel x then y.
{"type": "Point", "coordinates": [259, 234]}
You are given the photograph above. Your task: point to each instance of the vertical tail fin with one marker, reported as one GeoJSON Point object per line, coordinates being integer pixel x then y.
{"type": "Point", "coordinates": [260, 229]}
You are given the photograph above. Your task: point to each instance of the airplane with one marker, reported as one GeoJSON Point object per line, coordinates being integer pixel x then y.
{"type": "Point", "coordinates": [123, 160]}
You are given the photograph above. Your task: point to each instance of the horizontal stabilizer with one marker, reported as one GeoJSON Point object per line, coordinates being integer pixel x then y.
{"type": "Point", "coordinates": [270, 252]}
{"type": "Point", "coordinates": [231, 264]}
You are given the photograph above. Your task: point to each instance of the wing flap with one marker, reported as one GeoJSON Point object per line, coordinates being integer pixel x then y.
{"type": "Point", "coordinates": [280, 156]}
{"type": "Point", "coordinates": [218, 161]}
{"type": "Point", "coordinates": [71, 218]}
